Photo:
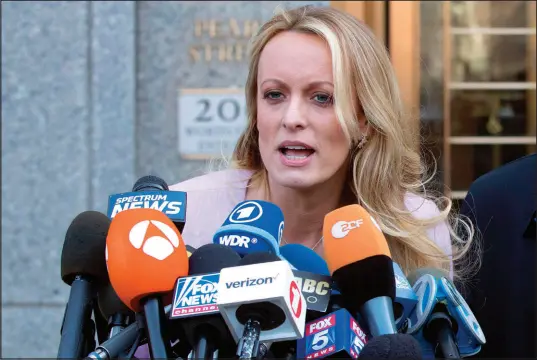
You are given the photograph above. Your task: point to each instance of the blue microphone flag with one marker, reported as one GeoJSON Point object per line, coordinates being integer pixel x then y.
{"type": "Point", "coordinates": [252, 226]}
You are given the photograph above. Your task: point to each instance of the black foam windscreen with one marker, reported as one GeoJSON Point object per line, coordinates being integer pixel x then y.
{"type": "Point", "coordinates": [110, 304]}
{"type": "Point", "coordinates": [150, 182]}
{"type": "Point", "coordinates": [392, 347]}
{"type": "Point", "coordinates": [366, 279]}
{"type": "Point", "coordinates": [83, 251]}
{"type": "Point", "coordinates": [211, 258]}
{"type": "Point", "coordinates": [258, 258]}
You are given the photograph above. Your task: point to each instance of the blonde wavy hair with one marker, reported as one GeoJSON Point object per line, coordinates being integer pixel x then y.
{"type": "Point", "coordinates": [388, 167]}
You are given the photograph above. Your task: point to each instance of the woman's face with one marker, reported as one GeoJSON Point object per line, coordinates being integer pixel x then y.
{"type": "Point", "coordinates": [300, 140]}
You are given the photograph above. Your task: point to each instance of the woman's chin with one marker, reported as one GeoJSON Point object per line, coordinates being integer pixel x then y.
{"type": "Point", "coordinates": [299, 180]}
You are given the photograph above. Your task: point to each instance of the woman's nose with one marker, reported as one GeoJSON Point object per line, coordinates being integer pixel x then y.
{"type": "Point", "coordinates": [295, 116]}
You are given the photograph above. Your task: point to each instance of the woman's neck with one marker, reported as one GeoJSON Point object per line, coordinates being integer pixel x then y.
{"type": "Point", "coordinates": [303, 211]}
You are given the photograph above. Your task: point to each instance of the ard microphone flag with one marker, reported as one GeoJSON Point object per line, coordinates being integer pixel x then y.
{"type": "Point", "coordinates": [252, 226]}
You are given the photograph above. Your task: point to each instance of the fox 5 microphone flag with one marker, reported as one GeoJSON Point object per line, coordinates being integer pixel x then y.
{"type": "Point", "coordinates": [252, 226]}
{"type": "Point", "coordinates": [337, 335]}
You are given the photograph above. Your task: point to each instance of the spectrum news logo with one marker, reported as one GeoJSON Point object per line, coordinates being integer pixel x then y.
{"type": "Point", "coordinates": [171, 203]}
{"type": "Point", "coordinates": [195, 295]}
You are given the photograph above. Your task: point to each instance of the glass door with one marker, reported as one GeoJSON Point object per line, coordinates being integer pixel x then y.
{"type": "Point", "coordinates": [477, 87]}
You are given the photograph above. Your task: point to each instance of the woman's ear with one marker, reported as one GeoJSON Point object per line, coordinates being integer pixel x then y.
{"type": "Point", "coordinates": [363, 124]}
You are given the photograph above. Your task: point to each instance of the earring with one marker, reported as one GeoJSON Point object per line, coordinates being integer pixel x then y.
{"type": "Point", "coordinates": [362, 141]}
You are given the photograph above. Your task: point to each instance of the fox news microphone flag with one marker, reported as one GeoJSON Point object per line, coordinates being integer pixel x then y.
{"type": "Point", "coordinates": [252, 226]}
{"type": "Point", "coordinates": [146, 254]}
{"type": "Point", "coordinates": [359, 259]}
{"type": "Point", "coordinates": [151, 192]}
{"type": "Point", "coordinates": [195, 302]}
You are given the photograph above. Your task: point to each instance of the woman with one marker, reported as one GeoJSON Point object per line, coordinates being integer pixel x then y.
{"type": "Point", "coordinates": [326, 128]}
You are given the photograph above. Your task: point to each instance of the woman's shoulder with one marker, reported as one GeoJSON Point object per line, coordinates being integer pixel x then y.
{"type": "Point", "coordinates": [424, 209]}
{"type": "Point", "coordinates": [421, 207]}
{"type": "Point", "coordinates": [223, 179]}
{"type": "Point", "coordinates": [210, 198]}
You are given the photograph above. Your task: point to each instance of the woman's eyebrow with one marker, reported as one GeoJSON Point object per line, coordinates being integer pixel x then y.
{"type": "Point", "coordinates": [310, 85]}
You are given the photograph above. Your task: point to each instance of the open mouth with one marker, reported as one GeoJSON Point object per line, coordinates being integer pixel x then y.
{"type": "Point", "coordinates": [296, 152]}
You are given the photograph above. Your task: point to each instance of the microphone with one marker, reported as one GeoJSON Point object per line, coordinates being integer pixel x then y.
{"type": "Point", "coordinates": [442, 321]}
{"type": "Point", "coordinates": [151, 192]}
{"type": "Point", "coordinates": [145, 256]}
{"type": "Point", "coordinates": [313, 279]}
{"type": "Point", "coordinates": [82, 267]}
{"type": "Point", "coordinates": [392, 347]}
{"type": "Point", "coordinates": [312, 276]}
{"type": "Point", "coordinates": [359, 259]}
{"type": "Point", "coordinates": [252, 226]}
{"type": "Point", "coordinates": [128, 338]}
{"type": "Point", "coordinates": [260, 300]}
{"type": "Point", "coordinates": [405, 299]}
{"type": "Point", "coordinates": [195, 301]}
{"type": "Point", "coordinates": [337, 335]}
{"type": "Point", "coordinates": [304, 259]}
{"type": "Point", "coordinates": [190, 250]}
{"type": "Point", "coordinates": [113, 310]}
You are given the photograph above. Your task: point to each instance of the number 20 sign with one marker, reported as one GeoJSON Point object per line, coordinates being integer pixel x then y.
{"type": "Point", "coordinates": [210, 121]}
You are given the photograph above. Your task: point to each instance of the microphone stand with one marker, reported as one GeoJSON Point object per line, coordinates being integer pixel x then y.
{"type": "Point", "coordinates": [155, 323]}
{"type": "Point", "coordinates": [446, 347]}
{"type": "Point", "coordinates": [100, 323]}
{"type": "Point", "coordinates": [204, 348]}
{"type": "Point", "coordinates": [249, 343]}
{"type": "Point", "coordinates": [263, 350]}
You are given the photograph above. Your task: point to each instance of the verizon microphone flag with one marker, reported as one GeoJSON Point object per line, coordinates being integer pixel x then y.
{"type": "Point", "coordinates": [272, 282]}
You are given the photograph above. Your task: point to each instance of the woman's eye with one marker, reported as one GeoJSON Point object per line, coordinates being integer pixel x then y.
{"type": "Point", "coordinates": [273, 95]}
{"type": "Point", "coordinates": [323, 98]}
